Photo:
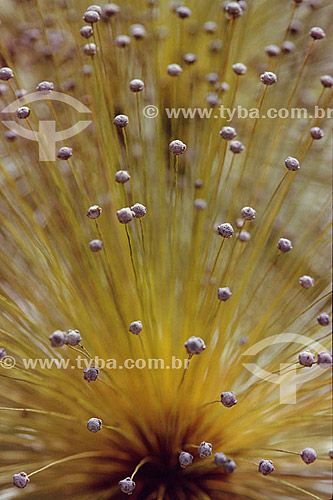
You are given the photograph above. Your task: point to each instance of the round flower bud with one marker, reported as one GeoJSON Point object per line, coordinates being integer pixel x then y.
{"type": "Point", "coordinates": [122, 176]}
{"type": "Point", "coordinates": [90, 374]}
{"type": "Point", "coordinates": [288, 47]}
{"type": "Point", "coordinates": [239, 68]}
{"type": "Point", "coordinates": [127, 486]}
{"type": "Point", "coordinates": [295, 27]}
{"type": "Point", "coordinates": [284, 245]}
{"type": "Point", "coordinates": [94, 212]}
{"type": "Point", "coordinates": [87, 69]}
{"type": "Point", "coordinates": [122, 41]}
{"type": "Point", "coordinates": [45, 87]}
{"type": "Point", "coordinates": [136, 85]}
{"type": "Point", "coordinates": [73, 337]}
{"type": "Point", "coordinates": [6, 74]}
{"type": "Point", "coordinates": [306, 281]}
{"type": "Point", "coordinates": [317, 33]}
{"type": "Point", "coordinates": [90, 49]}
{"type": "Point", "coordinates": [236, 147]}
{"type": "Point", "coordinates": [64, 153]}
{"type": "Point", "coordinates": [268, 78]}
{"type": "Point", "coordinates": [240, 222]}
{"type": "Point", "coordinates": [200, 204]}
{"type": "Point", "coordinates": [23, 112]}
{"type": "Point", "coordinates": [91, 16]}
{"type": "Point", "coordinates": [308, 455]}
{"type": "Point", "coordinates": [58, 338]}
{"type": "Point", "coordinates": [198, 183]}
{"type": "Point", "coordinates": [316, 133]}
{"type": "Point", "coordinates": [86, 31]}
{"type": "Point", "coordinates": [327, 81]}
{"type": "Point", "coordinates": [229, 466]}
{"type": "Point", "coordinates": [272, 50]}
{"type": "Point", "coordinates": [224, 293]}
{"type": "Point", "coordinates": [292, 164]}
{"type": "Point", "coordinates": [95, 245]}
{"type": "Point", "coordinates": [323, 319]}
{"type": "Point", "coordinates": [121, 121]}
{"type": "Point", "coordinates": [228, 133]}
{"type": "Point", "coordinates": [330, 454]}
{"type": "Point", "coordinates": [10, 135]}
{"type": "Point", "coordinates": [177, 147]}
{"type": "Point", "coordinates": [306, 358]}
{"type": "Point", "coordinates": [213, 99]}
{"type": "Point", "coordinates": [174, 70]}
{"type": "Point", "coordinates": [225, 230]}
{"type": "Point", "coordinates": [228, 399]}
{"type": "Point", "coordinates": [205, 450]}
{"type": "Point", "coordinates": [185, 459]}
{"type": "Point", "coordinates": [111, 9]}
{"type": "Point", "coordinates": [266, 467]}
{"type": "Point", "coordinates": [94, 424]}
{"type": "Point", "coordinates": [139, 210]}
{"type": "Point", "coordinates": [220, 459]}
{"type": "Point", "coordinates": [244, 236]}
{"type": "Point", "coordinates": [195, 345]}
{"type": "Point", "coordinates": [210, 27]}
{"type": "Point", "coordinates": [190, 58]}
{"type": "Point", "coordinates": [224, 87]}
{"type": "Point", "coordinates": [125, 215]}
{"type": "Point", "coordinates": [234, 9]}
{"type": "Point", "coordinates": [138, 31]}
{"type": "Point", "coordinates": [215, 45]}
{"type": "Point", "coordinates": [3, 352]}
{"type": "Point", "coordinates": [324, 359]}
{"type": "Point", "coordinates": [212, 77]}
{"type": "Point", "coordinates": [96, 8]}
{"type": "Point", "coordinates": [135, 327]}
{"type": "Point", "coordinates": [248, 213]}
{"type": "Point", "coordinates": [20, 480]}
{"type": "Point", "coordinates": [183, 12]}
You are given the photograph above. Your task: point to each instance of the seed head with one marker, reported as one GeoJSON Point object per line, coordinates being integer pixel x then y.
{"type": "Point", "coordinates": [316, 133]}
{"type": "Point", "coordinates": [195, 345]}
{"type": "Point", "coordinates": [244, 236]}
{"type": "Point", "coordinates": [58, 338]}
{"type": "Point", "coordinates": [125, 215]}
{"type": "Point", "coordinates": [3, 352]}
{"type": "Point", "coordinates": [177, 147]}
{"type": "Point", "coordinates": [122, 176]}
{"type": "Point", "coordinates": [236, 147]}
{"type": "Point", "coordinates": [6, 74]}
{"type": "Point", "coordinates": [306, 281]}
{"type": "Point", "coordinates": [239, 68]}
{"type": "Point", "coordinates": [272, 50]}
{"type": "Point", "coordinates": [64, 153]}
{"type": "Point", "coordinates": [220, 459]}
{"type": "Point", "coordinates": [139, 210]}
{"type": "Point", "coordinates": [136, 85]}
{"type": "Point", "coordinates": [174, 70]}
{"type": "Point", "coordinates": [138, 31]}
{"type": "Point", "coordinates": [121, 121]}
{"type": "Point", "coordinates": [200, 204]}
{"type": "Point", "coordinates": [95, 245]}
{"type": "Point", "coordinates": [94, 212]}
{"type": "Point", "coordinates": [248, 213]}
{"type": "Point", "coordinates": [306, 358]}
{"type": "Point", "coordinates": [190, 58]}
{"type": "Point", "coordinates": [91, 16]}
{"type": "Point", "coordinates": [90, 374]}
{"type": "Point", "coordinates": [268, 78]}
{"type": "Point", "coordinates": [324, 359]}
{"type": "Point", "coordinates": [317, 33]}
{"type": "Point", "coordinates": [210, 27]}
{"type": "Point", "coordinates": [228, 399]}
{"type": "Point", "coordinates": [287, 47]}
{"type": "Point", "coordinates": [185, 459]}
{"type": "Point", "coordinates": [205, 450]}
{"type": "Point", "coordinates": [122, 41]}
{"type": "Point", "coordinates": [292, 164]}
{"type": "Point", "coordinates": [233, 9]}
{"type": "Point", "coordinates": [213, 99]}
{"type": "Point", "coordinates": [228, 133]}
{"type": "Point", "coordinates": [135, 327]}
{"type": "Point", "coordinates": [90, 49]}
{"type": "Point", "coordinates": [111, 9]}
{"type": "Point", "coordinates": [266, 467]}
{"type": "Point", "coordinates": [73, 337]}
{"type": "Point", "coordinates": [94, 424]}
{"type": "Point", "coordinates": [183, 12]}
{"type": "Point", "coordinates": [127, 486]}
{"type": "Point", "coordinates": [323, 319]}
{"type": "Point", "coordinates": [20, 480]}
{"type": "Point", "coordinates": [225, 230]}
{"type": "Point", "coordinates": [284, 245]}
{"type": "Point", "coordinates": [229, 466]}
{"type": "Point", "coordinates": [23, 112]}
{"type": "Point", "coordinates": [308, 455]}
{"type": "Point", "coordinates": [327, 81]}
{"type": "Point", "coordinates": [45, 87]}
{"type": "Point", "coordinates": [86, 31]}
{"type": "Point", "coordinates": [224, 293]}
